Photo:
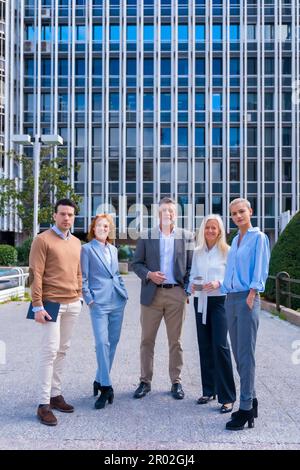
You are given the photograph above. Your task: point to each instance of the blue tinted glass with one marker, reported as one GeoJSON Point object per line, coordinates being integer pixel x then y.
{"type": "Point", "coordinates": [217, 66]}
{"type": "Point", "coordinates": [182, 136]}
{"type": "Point", "coordinates": [97, 67]}
{"type": "Point", "coordinates": [200, 32]}
{"type": "Point", "coordinates": [165, 66]}
{"type": "Point", "coordinates": [131, 32]}
{"type": "Point", "coordinates": [183, 32]}
{"type": "Point", "coordinates": [234, 136]}
{"type": "Point", "coordinates": [183, 67]}
{"type": "Point", "coordinates": [217, 101]}
{"type": "Point", "coordinates": [165, 32]}
{"type": "Point", "coordinates": [148, 102]}
{"type": "Point", "coordinates": [217, 32]}
{"type": "Point", "coordinates": [182, 101]}
{"type": "Point", "coordinates": [63, 66]}
{"type": "Point", "coordinates": [80, 33]}
{"type": "Point", "coordinates": [63, 33]}
{"type": "Point", "coordinates": [30, 33]}
{"type": "Point", "coordinates": [114, 101]}
{"type": "Point", "coordinates": [148, 66]}
{"type": "Point", "coordinates": [199, 101]}
{"type": "Point", "coordinates": [234, 66]}
{"type": "Point", "coordinates": [80, 67]}
{"type": "Point", "coordinates": [97, 101]}
{"type": "Point", "coordinates": [46, 67]}
{"type": "Point", "coordinates": [29, 67]}
{"type": "Point", "coordinates": [148, 136]}
{"type": "Point", "coordinates": [114, 66]}
{"type": "Point", "coordinates": [131, 101]}
{"type": "Point", "coordinates": [114, 32]}
{"type": "Point", "coordinates": [79, 102]}
{"type": "Point", "coordinates": [217, 136]}
{"type": "Point", "coordinates": [199, 136]}
{"type": "Point", "coordinates": [165, 101]}
{"type": "Point", "coordinates": [131, 67]}
{"type": "Point", "coordinates": [234, 32]}
{"type": "Point", "coordinates": [200, 66]}
{"type": "Point", "coordinates": [97, 32]}
{"type": "Point", "coordinates": [148, 32]}
{"type": "Point", "coordinates": [235, 101]}
{"type": "Point", "coordinates": [165, 136]}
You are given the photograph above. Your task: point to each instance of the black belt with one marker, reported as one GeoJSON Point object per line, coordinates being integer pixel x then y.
{"type": "Point", "coordinates": [167, 286]}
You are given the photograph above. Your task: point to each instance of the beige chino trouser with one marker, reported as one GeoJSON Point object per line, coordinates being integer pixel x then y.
{"type": "Point", "coordinates": [170, 305]}
{"type": "Point", "coordinates": [56, 340]}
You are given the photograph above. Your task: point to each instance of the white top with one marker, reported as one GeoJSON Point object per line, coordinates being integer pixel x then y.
{"type": "Point", "coordinates": [210, 264]}
{"type": "Point", "coordinates": [166, 248]}
{"type": "Point", "coordinates": [106, 252]}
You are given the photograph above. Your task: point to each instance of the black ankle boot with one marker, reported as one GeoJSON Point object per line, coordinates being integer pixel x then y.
{"type": "Point", "coordinates": [107, 394]}
{"type": "Point", "coordinates": [254, 406]}
{"type": "Point", "coordinates": [240, 419]}
{"type": "Point", "coordinates": [96, 387]}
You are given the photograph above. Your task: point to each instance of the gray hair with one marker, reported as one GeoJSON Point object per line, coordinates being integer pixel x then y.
{"type": "Point", "coordinates": [166, 200]}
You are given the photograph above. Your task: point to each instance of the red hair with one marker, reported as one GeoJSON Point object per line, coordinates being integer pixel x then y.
{"type": "Point", "coordinates": [91, 232]}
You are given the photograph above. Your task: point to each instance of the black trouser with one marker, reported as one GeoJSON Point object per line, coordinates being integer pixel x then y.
{"type": "Point", "coordinates": [215, 358]}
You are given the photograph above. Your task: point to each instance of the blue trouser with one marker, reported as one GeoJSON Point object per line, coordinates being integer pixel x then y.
{"type": "Point", "coordinates": [242, 325]}
{"type": "Point", "coordinates": [107, 322]}
{"type": "Point", "coordinates": [215, 359]}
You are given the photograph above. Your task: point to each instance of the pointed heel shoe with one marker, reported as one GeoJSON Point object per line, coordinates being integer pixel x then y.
{"type": "Point", "coordinates": [205, 399]}
{"type": "Point", "coordinates": [96, 388]}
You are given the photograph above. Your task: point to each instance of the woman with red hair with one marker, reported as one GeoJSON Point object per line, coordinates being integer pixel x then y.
{"type": "Point", "coordinates": [105, 294]}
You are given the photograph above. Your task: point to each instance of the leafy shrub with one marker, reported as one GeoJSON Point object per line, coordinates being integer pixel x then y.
{"type": "Point", "coordinates": [8, 255]}
{"type": "Point", "coordinates": [23, 252]}
{"type": "Point", "coordinates": [125, 253]}
{"type": "Point", "coordinates": [285, 256]}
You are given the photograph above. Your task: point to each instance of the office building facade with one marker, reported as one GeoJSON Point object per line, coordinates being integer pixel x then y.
{"type": "Point", "coordinates": [197, 99]}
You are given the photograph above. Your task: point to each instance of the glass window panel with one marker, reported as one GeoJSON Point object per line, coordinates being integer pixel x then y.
{"type": "Point", "coordinates": [269, 136]}
{"type": "Point", "coordinates": [200, 101]}
{"type": "Point", "coordinates": [234, 32]}
{"type": "Point", "coordinates": [269, 101]}
{"type": "Point", "coordinates": [200, 32]}
{"type": "Point", "coordinates": [183, 66]}
{"type": "Point", "coordinates": [165, 66]}
{"type": "Point", "coordinates": [182, 169]}
{"type": "Point", "coordinates": [200, 66]}
{"type": "Point", "coordinates": [165, 172]}
{"type": "Point", "coordinates": [114, 66]}
{"type": "Point", "coordinates": [217, 171]}
{"type": "Point", "coordinates": [148, 102]}
{"type": "Point", "coordinates": [165, 32]}
{"type": "Point", "coordinates": [217, 67]}
{"type": "Point", "coordinates": [199, 137]}
{"type": "Point", "coordinates": [183, 101]}
{"type": "Point", "coordinates": [182, 136]}
{"type": "Point", "coordinates": [252, 65]}
{"type": "Point", "coordinates": [165, 136]}
{"type": "Point", "coordinates": [148, 67]}
{"type": "Point", "coordinates": [287, 136]}
{"type": "Point", "coordinates": [217, 101]}
{"type": "Point", "coordinates": [148, 136]}
{"type": "Point", "coordinates": [217, 32]}
{"type": "Point", "coordinates": [234, 136]}
{"type": "Point", "coordinates": [149, 32]}
{"type": "Point", "coordinates": [114, 32]}
{"type": "Point", "coordinates": [286, 66]}
{"type": "Point", "coordinates": [252, 100]}
{"type": "Point", "coordinates": [217, 136]}
{"type": "Point", "coordinates": [234, 101]}
{"type": "Point", "coordinates": [165, 101]}
{"type": "Point", "coordinates": [287, 100]}
{"type": "Point", "coordinates": [114, 101]}
{"type": "Point", "coordinates": [79, 101]}
{"type": "Point", "coordinates": [251, 32]}
{"type": "Point", "coordinates": [131, 67]}
{"type": "Point", "coordinates": [97, 32]}
{"type": "Point", "coordinates": [269, 66]}
{"type": "Point", "coordinates": [234, 66]}
{"type": "Point", "coordinates": [131, 101]}
{"type": "Point", "coordinates": [80, 33]}
{"type": "Point", "coordinates": [199, 171]}
{"type": "Point", "coordinates": [183, 34]}
{"type": "Point", "coordinates": [114, 137]}
{"type": "Point", "coordinates": [131, 32]}
{"type": "Point", "coordinates": [97, 101]}
{"type": "Point", "coordinates": [269, 171]}
{"type": "Point", "coordinates": [252, 136]}
{"type": "Point", "coordinates": [97, 66]}
{"type": "Point", "coordinates": [131, 137]}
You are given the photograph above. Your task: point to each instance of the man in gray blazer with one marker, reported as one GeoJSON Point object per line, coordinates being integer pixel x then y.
{"type": "Point", "coordinates": [162, 260]}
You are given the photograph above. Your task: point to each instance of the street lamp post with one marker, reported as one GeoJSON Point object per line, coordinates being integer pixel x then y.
{"type": "Point", "coordinates": [47, 139]}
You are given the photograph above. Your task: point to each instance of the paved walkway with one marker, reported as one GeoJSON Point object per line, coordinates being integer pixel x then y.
{"type": "Point", "coordinates": [156, 421]}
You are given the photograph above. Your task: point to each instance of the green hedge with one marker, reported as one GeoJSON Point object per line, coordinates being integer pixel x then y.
{"type": "Point", "coordinates": [8, 255]}
{"type": "Point", "coordinates": [23, 252]}
{"type": "Point", "coordinates": [285, 256]}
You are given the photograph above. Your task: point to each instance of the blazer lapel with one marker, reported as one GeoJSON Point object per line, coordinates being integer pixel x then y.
{"type": "Point", "coordinates": [97, 250]}
{"type": "Point", "coordinates": [155, 241]}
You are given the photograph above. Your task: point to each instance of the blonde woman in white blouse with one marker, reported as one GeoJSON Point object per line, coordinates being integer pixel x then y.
{"type": "Point", "coordinates": [209, 262]}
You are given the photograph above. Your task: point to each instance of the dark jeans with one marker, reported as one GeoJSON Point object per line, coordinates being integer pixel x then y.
{"type": "Point", "coordinates": [215, 359]}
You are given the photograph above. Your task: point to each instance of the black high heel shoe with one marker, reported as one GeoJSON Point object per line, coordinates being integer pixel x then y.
{"type": "Point", "coordinates": [96, 387]}
{"type": "Point", "coordinates": [240, 419]}
{"type": "Point", "coordinates": [107, 395]}
{"type": "Point", "coordinates": [254, 406]}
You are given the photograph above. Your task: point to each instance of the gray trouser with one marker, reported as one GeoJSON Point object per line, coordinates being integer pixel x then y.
{"type": "Point", "coordinates": [242, 326]}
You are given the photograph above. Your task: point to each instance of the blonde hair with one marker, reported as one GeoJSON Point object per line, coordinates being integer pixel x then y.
{"type": "Point", "coordinates": [110, 220]}
{"type": "Point", "coordinates": [221, 240]}
{"type": "Point", "coordinates": [240, 200]}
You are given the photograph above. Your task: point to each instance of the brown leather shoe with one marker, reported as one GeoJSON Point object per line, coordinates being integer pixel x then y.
{"type": "Point", "coordinates": [58, 403]}
{"type": "Point", "coordinates": [46, 416]}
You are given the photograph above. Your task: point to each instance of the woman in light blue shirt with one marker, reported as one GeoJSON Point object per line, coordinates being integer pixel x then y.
{"type": "Point", "coordinates": [245, 276]}
{"type": "Point", "coordinates": [105, 293]}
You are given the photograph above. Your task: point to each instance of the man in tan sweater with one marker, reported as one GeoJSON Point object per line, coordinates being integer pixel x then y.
{"type": "Point", "coordinates": [54, 267]}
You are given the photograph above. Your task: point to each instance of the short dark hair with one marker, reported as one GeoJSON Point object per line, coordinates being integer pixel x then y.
{"type": "Point", "coordinates": [66, 202]}
{"type": "Point", "coordinates": [166, 200]}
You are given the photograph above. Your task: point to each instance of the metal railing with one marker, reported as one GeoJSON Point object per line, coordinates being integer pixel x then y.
{"type": "Point", "coordinates": [280, 278]}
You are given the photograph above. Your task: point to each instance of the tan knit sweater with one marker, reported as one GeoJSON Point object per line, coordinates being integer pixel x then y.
{"type": "Point", "coordinates": [54, 267]}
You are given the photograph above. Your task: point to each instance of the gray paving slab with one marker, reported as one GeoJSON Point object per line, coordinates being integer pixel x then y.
{"type": "Point", "coordinates": [156, 421]}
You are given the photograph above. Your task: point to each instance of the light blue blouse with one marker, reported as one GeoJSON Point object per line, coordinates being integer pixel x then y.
{"type": "Point", "coordinates": [247, 264]}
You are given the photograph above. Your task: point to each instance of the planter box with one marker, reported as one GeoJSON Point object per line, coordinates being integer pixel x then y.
{"type": "Point", "coordinates": [123, 267]}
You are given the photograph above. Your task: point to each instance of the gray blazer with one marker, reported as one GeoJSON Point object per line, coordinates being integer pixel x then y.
{"type": "Point", "coordinates": [147, 258]}
{"type": "Point", "coordinates": [98, 278]}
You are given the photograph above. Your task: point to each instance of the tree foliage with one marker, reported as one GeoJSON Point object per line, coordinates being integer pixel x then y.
{"type": "Point", "coordinates": [285, 256]}
{"type": "Point", "coordinates": [16, 194]}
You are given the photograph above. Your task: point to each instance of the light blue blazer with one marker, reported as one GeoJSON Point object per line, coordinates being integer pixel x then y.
{"type": "Point", "coordinates": [98, 278]}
